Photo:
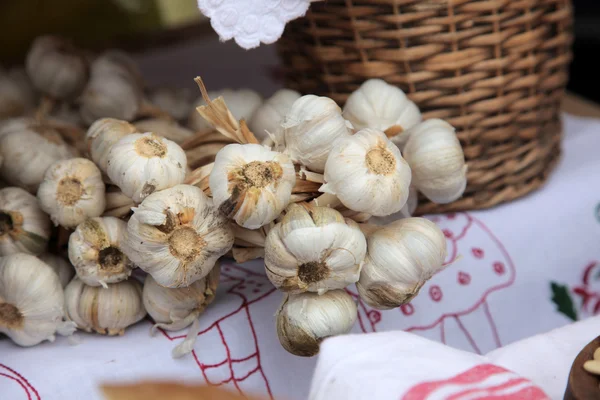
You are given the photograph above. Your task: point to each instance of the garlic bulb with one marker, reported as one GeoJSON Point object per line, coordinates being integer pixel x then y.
{"type": "Point", "coordinates": [402, 256]}
{"type": "Point", "coordinates": [108, 311]}
{"type": "Point", "coordinates": [95, 251]}
{"type": "Point", "coordinates": [251, 184]}
{"type": "Point", "coordinates": [379, 105]}
{"type": "Point", "coordinates": [176, 309]}
{"type": "Point", "coordinates": [177, 102]}
{"type": "Point", "coordinates": [115, 89]}
{"type": "Point", "coordinates": [102, 135]}
{"type": "Point", "coordinates": [24, 228]}
{"type": "Point", "coordinates": [267, 119]}
{"type": "Point", "coordinates": [142, 163]}
{"type": "Point", "coordinates": [72, 191]}
{"type": "Point", "coordinates": [405, 212]}
{"type": "Point", "coordinates": [177, 235]}
{"type": "Point", "coordinates": [437, 161]}
{"type": "Point", "coordinates": [305, 320]}
{"type": "Point", "coordinates": [314, 249]}
{"type": "Point", "coordinates": [165, 128]}
{"type": "Point", "coordinates": [310, 128]}
{"type": "Point", "coordinates": [25, 165]}
{"type": "Point", "coordinates": [63, 269]}
{"type": "Point", "coordinates": [367, 173]}
{"type": "Point", "coordinates": [56, 68]}
{"type": "Point", "coordinates": [241, 102]}
{"type": "Point", "coordinates": [31, 301]}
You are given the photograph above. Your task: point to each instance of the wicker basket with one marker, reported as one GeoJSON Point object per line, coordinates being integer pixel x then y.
{"type": "Point", "coordinates": [495, 69]}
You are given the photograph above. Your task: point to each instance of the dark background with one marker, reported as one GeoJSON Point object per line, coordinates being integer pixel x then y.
{"type": "Point", "coordinates": [585, 68]}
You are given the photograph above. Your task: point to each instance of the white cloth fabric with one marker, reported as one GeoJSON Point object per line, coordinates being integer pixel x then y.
{"type": "Point", "coordinates": [515, 259]}
{"type": "Point", "coordinates": [252, 22]}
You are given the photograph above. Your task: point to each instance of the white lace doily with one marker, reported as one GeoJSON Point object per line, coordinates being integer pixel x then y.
{"type": "Point", "coordinates": [250, 22]}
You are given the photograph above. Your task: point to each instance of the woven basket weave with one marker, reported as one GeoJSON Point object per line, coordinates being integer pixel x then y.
{"type": "Point", "coordinates": [494, 69]}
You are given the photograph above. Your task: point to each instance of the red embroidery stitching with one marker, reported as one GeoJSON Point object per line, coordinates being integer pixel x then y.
{"type": "Point", "coordinates": [31, 392]}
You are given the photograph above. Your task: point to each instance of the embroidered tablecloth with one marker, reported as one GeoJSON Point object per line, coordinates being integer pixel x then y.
{"type": "Point", "coordinates": [524, 268]}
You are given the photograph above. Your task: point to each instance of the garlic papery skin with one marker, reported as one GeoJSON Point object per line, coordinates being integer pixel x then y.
{"type": "Point", "coordinates": [29, 152]}
{"type": "Point", "coordinates": [165, 128]}
{"type": "Point", "coordinates": [266, 120]}
{"type": "Point", "coordinates": [102, 135]}
{"type": "Point", "coordinates": [379, 105]}
{"type": "Point", "coordinates": [72, 190]}
{"type": "Point", "coordinates": [31, 301]}
{"type": "Point", "coordinates": [314, 249]}
{"type": "Point", "coordinates": [437, 161]}
{"type": "Point", "coordinates": [177, 235]}
{"type": "Point", "coordinates": [142, 163]}
{"type": "Point", "coordinates": [176, 309]}
{"type": "Point", "coordinates": [251, 184]}
{"type": "Point", "coordinates": [304, 320]}
{"type": "Point", "coordinates": [95, 250]}
{"type": "Point", "coordinates": [63, 269]}
{"type": "Point", "coordinates": [24, 227]}
{"type": "Point", "coordinates": [115, 89]}
{"type": "Point", "coordinates": [310, 128]}
{"type": "Point", "coordinates": [367, 173]}
{"type": "Point", "coordinates": [242, 103]}
{"type": "Point", "coordinates": [107, 311]}
{"type": "Point", "coordinates": [56, 68]}
{"type": "Point", "coordinates": [402, 256]}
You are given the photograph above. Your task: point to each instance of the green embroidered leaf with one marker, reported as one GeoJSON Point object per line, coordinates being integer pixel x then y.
{"type": "Point", "coordinates": [562, 298]}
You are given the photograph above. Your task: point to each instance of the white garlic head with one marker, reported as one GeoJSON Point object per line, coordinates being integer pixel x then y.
{"type": "Point", "coordinates": [72, 190]}
{"type": "Point", "coordinates": [166, 128]}
{"type": "Point", "coordinates": [60, 266]}
{"type": "Point", "coordinates": [251, 184]}
{"type": "Point", "coordinates": [31, 301]}
{"type": "Point", "coordinates": [29, 152]}
{"type": "Point", "coordinates": [95, 250]}
{"type": "Point", "coordinates": [115, 89]}
{"type": "Point", "coordinates": [304, 320]}
{"type": "Point", "coordinates": [268, 117]}
{"type": "Point", "coordinates": [108, 311]}
{"type": "Point", "coordinates": [437, 161]}
{"type": "Point", "coordinates": [24, 227]}
{"type": "Point", "coordinates": [177, 102]}
{"type": "Point", "coordinates": [378, 105]}
{"type": "Point", "coordinates": [56, 67]}
{"type": "Point", "coordinates": [142, 163]}
{"type": "Point", "coordinates": [177, 235]}
{"type": "Point", "coordinates": [367, 173]}
{"type": "Point", "coordinates": [102, 135]}
{"type": "Point", "coordinates": [401, 257]}
{"type": "Point", "coordinates": [314, 249]}
{"type": "Point", "coordinates": [310, 128]}
{"type": "Point", "coordinates": [242, 103]}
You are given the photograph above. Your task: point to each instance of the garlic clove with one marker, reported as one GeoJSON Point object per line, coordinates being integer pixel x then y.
{"type": "Point", "coordinates": [31, 301]}
{"type": "Point", "coordinates": [266, 120]}
{"type": "Point", "coordinates": [102, 135]}
{"type": "Point", "coordinates": [437, 161]}
{"type": "Point", "coordinates": [107, 311]}
{"type": "Point", "coordinates": [56, 67]}
{"type": "Point", "coordinates": [378, 105]}
{"type": "Point", "coordinates": [72, 191]}
{"type": "Point", "coordinates": [24, 227]}
{"type": "Point", "coordinates": [61, 267]}
{"type": "Point", "coordinates": [142, 163]}
{"type": "Point", "coordinates": [402, 256]}
{"type": "Point", "coordinates": [251, 184]}
{"type": "Point", "coordinates": [314, 249]}
{"type": "Point", "coordinates": [95, 250]}
{"type": "Point", "coordinates": [367, 173]}
{"type": "Point", "coordinates": [177, 235]}
{"type": "Point", "coordinates": [305, 320]}
{"type": "Point", "coordinates": [242, 103]}
{"type": "Point", "coordinates": [310, 127]}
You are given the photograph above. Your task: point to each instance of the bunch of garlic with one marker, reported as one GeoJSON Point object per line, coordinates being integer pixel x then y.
{"type": "Point", "coordinates": [176, 309]}
{"type": "Point", "coordinates": [31, 301]}
{"type": "Point", "coordinates": [107, 311]}
{"type": "Point", "coordinates": [177, 235]}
